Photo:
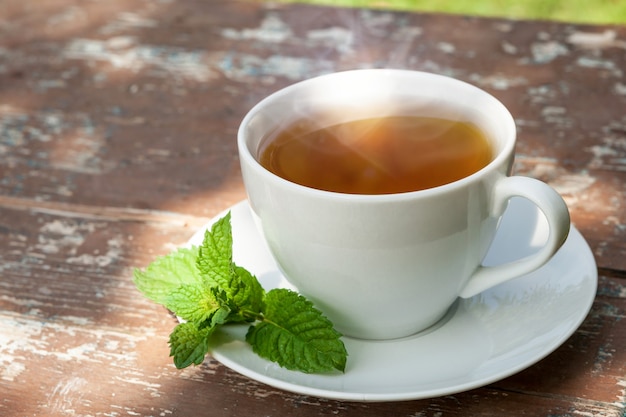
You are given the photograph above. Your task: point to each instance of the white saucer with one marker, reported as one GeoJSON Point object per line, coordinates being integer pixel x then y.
{"type": "Point", "coordinates": [485, 338]}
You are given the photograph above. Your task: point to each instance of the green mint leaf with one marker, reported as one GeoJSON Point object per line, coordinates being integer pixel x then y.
{"type": "Point", "coordinates": [216, 266]}
{"type": "Point", "coordinates": [189, 344]}
{"type": "Point", "coordinates": [228, 312]}
{"type": "Point", "coordinates": [216, 254]}
{"type": "Point", "coordinates": [296, 335]}
{"type": "Point", "coordinates": [247, 295]}
{"type": "Point", "coordinates": [166, 273]}
{"type": "Point", "coordinates": [195, 303]}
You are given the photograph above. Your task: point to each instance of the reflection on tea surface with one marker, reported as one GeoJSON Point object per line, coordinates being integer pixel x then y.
{"type": "Point", "coordinates": [381, 155]}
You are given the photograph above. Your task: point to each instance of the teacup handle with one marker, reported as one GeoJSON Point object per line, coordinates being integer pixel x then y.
{"type": "Point", "coordinates": [554, 209]}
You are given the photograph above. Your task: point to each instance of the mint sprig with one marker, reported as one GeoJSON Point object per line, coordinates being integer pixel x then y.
{"type": "Point", "coordinates": [206, 289]}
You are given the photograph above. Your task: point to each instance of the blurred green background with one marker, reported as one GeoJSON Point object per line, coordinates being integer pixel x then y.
{"type": "Point", "coordinates": [579, 11]}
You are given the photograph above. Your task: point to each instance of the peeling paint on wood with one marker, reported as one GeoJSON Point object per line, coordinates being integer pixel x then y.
{"type": "Point", "coordinates": [123, 53]}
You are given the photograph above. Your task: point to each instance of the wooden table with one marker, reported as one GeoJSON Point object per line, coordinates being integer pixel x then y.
{"type": "Point", "coordinates": [117, 141]}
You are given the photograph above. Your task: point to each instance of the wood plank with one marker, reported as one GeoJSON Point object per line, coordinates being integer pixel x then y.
{"type": "Point", "coordinates": [78, 338]}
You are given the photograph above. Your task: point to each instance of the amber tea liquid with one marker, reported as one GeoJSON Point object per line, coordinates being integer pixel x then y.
{"type": "Point", "coordinates": [376, 155]}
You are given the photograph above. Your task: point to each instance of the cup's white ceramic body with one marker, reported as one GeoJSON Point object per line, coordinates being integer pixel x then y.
{"type": "Point", "coordinates": [388, 266]}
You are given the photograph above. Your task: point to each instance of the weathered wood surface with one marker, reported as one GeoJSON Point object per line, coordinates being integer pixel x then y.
{"type": "Point", "coordinates": [117, 140]}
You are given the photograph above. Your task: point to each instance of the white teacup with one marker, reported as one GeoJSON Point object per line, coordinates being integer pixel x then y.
{"type": "Point", "coordinates": [388, 266]}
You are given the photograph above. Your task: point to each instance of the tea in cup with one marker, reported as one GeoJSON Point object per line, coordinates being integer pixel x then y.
{"type": "Point", "coordinates": [377, 155]}
{"type": "Point", "coordinates": [379, 193]}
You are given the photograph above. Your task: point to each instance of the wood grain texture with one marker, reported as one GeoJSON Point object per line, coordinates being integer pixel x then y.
{"type": "Point", "coordinates": [117, 141]}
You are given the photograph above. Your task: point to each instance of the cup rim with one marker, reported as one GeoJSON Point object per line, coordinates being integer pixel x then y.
{"type": "Point", "coordinates": [506, 149]}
